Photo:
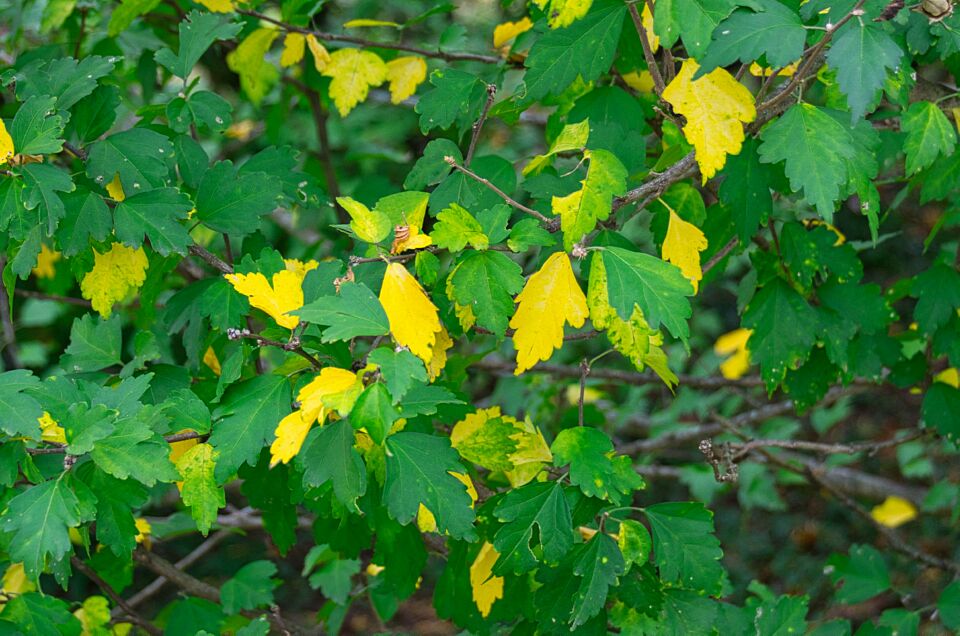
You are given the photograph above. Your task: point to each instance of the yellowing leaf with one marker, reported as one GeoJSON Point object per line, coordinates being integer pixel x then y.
{"type": "Point", "coordinates": [506, 31]}
{"type": "Point", "coordinates": [284, 295]}
{"type": "Point", "coordinates": [365, 22]}
{"type": "Point", "coordinates": [144, 530]}
{"type": "Point", "coordinates": [528, 458]}
{"type": "Point", "coordinates": [46, 262]}
{"type": "Point", "coordinates": [414, 240]}
{"type": "Point", "coordinates": [50, 431]}
{"type": "Point", "coordinates": [563, 13]}
{"type": "Point", "coordinates": [426, 522]}
{"type": "Point", "coordinates": [438, 357]}
{"type": "Point", "coordinates": [15, 580]}
{"type": "Point", "coordinates": [218, 6]}
{"type": "Point", "coordinates": [369, 225]}
{"type": "Point", "coordinates": [114, 276]}
{"type": "Point", "coordinates": [293, 48]}
{"type": "Point", "coordinates": [647, 19]}
{"type": "Point", "coordinates": [115, 189]}
{"type": "Point", "coordinates": [94, 616]}
{"type": "Point", "coordinates": [640, 81]}
{"type": "Point", "coordinates": [6, 144]}
{"type": "Point", "coordinates": [551, 298]}
{"type": "Point", "coordinates": [332, 390]}
{"type": "Point", "coordinates": [716, 107]}
{"type": "Point", "coordinates": [414, 320]}
{"type": "Point", "coordinates": [210, 359]}
{"type": "Point", "coordinates": [249, 61]}
{"type": "Point", "coordinates": [353, 71]}
{"type": "Point", "coordinates": [464, 313]}
{"type": "Point", "coordinates": [571, 137]}
{"type": "Point", "coordinates": [300, 268]}
{"type": "Point", "coordinates": [486, 587]}
{"type": "Point", "coordinates": [404, 75]}
{"type": "Point", "coordinates": [290, 432]}
{"type": "Point", "coordinates": [949, 376]}
{"type": "Point", "coordinates": [241, 130]}
{"type": "Point", "coordinates": [682, 247]}
{"type": "Point", "coordinates": [177, 449]}
{"type": "Point", "coordinates": [734, 342]}
{"type": "Point", "coordinates": [762, 71]}
{"type": "Point", "coordinates": [633, 338]}
{"type": "Point", "coordinates": [320, 55]}
{"type": "Point", "coordinates": [893, 512]}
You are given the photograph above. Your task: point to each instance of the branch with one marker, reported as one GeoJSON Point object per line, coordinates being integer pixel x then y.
{"type": "Point", "coordinates": [551, 224]}
{"type": "Point", "coordinates": [478, 125]}
{"type": "Point", "coordinates": [28, 293]}
{"type": "Point", "coordinates": [59, 450]}
{"type": "Point", "coordinates": [742, 450]}
{"type": "Point", "coordinates": [396, 46]}
{"type": "Point", "coordinates": [131, 613]}
{"type": "Point", "coordinates": [658, 84]}
{"type": "Point", "coordinates": [293, 344]}
{"type": "Point", "coordinates": [326, 157]}
{"type": "Point", "coordinates": [211, 259]}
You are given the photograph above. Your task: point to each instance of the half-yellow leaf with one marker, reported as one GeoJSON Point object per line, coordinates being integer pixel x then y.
{"type": "Point", "coordinates": [114, 276]}
{"type": "Point", "coordinates": [682, 247]}
{"type": "Point", "coordinates": [716, 107]}
{"type": "Point", "coordinates": [404, 75]}
{"type": "Point", "coordinates": [414, 319]}
{"type": "Point", "coordinates": [291, 432]}
{"type": "Point", "coordinates": [332, 390]}
{"type": "Point", "coordinates": [353, 71]}
{"type": "Point", "coordinates": [486, 587]}
{"type": "Point", "coordinates": [562, 13]}
{"type": "Point", "coordinates": [369, 225]}
{"type": "Point", "coordinates": [551, 298]}
{"type": "Point", "coordinates": [6, 144]}
{"type": "Point", "coordinates": [46, 262]}
{"type": "Point", "coordinates": [293, 48]}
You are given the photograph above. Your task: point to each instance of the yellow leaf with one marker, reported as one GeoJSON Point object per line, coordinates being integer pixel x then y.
{"type": "Point", "coordinates": [414, 240]}
{"type": "Point", "coordinates": [94, 615]}
{"type": "Point", "coordinates": [284, 295]}
{"type": "Point", "coordinates": [716, 107]}
{"type": "Point", "coordinates": [414, 319]}
{"type": "Point", "coordinates": [647, 19]}
{"type": "Point", "coordinates": [290, 432]}
{"type": "Point", "coordinates": [438, 356]}
{"type": "Point", "coordinates": [320, 55]}
{"type": "Point", "coordinates": [949, 376]}
{"type": "Point", "coordinates": [633, 338]}
{"type": "Point", "coordinates": [762, 71]}
{"type": "Point", "coordinates": [218, 6]}
{"type": "Point", "coordinates": [300, 268]}
{"type": "Point", "coordinates": [563, 13]}
{"type": "Point", "coordinates": [353, 71]}
{"type": "Point", "coordinates": [211, 360]}
{"type": "Point", "coordinates": [590, 394]}
{"type": "Point", "coordinates": [640, 81]}
{"type": "Point", "coordinates": [404, 75]}
{"type": "Point", "coordinates": [293, 47]}
{"type": "Point", "coordinates": [505, 32]}
{"type": "Point", "coordinates": [332, 390]}
{"type": "Point", "coordinates": [551, 298]}
{"type": "Point", "coordinates": [50, 431]}
{"type": "Point", "coordinates": [734, 342]}
{"type": "Point", "coordinates": [241, 130]}
{"type": "Point", "coordinates": [365, 22]}
{"type": "Point", "coordinates": [486, 587]}
{"type": "Point", "coordinates": [894, 512]}
{"type": "Point", "coordinates": [115, 189]}
{"type": "Point", "coordinates": [369, 225]}
{"type": "Point", "coordinates": [114, 276]}
{"type": "Point", "coordinates": [6, 144]}
{"type": "Point", "coordinates": [531, 453]}
{"type": "Point", "coordinates": [177, 449]}
{"type": "Point", "coordinates": [682, 247]}
{"type": "Point", "coordinates": [46, 261]}
{"type": "Point", "coordinates": [15, 580]}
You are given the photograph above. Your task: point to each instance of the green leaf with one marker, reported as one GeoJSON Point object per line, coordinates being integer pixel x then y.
{"type": "Point", "coordinates": [456, 98]}
{"type": "Point", "coordinates": [334, 576]}
{"type": "Point", "coordinates": [424, 400]}
{"type": "Point", "coordinates": [527, 233]}
{"type": "Point", "coordinates": [231, 201]}
{"type": "Point", "coordinates": [585, 49]}
{"type": "Point", "coordinates": [95, 114]}
{"type": "Point", "coordinates": [328, 455]}
{"type": "Point", "coordinates": [87, 217]}
{"type": "Point", "coordinates": [42, 183]}
{"type": "Point", "coordinates": [929, 135]}
{"type": "Point", "coordinates": [581, 210]}
{"type": "Point", "coordinates": [861, 575]}
{"type": "Point", "coordinates": [432, 167]}
{"type": "Point", "coordinates": [197, 32]}
{"type": "Point", "coordinates": [587, 451]}
{"type": "Point", "coordinates": [38, 520]}
{"type": "Point", "coordinates": [940, 407]}
{"type": "Point", "coordinates": [354, 312]}
{"type": "Point", "coordinates": [400, 370]}
{"type": "Point", "coordinates": [540, 504]}
{"type": "Point", "coordinates": [128, 11]}
{"type": "Point", "coordinates": [155, 214]}
{"type": "Point", "coordinates": [745, 190]}
{"type": "Point", "coordinates": [691, 20]}
{"type": "Point", "coordinates": [572, 137]}
{"type": "Point", "coordinates": [861, 54]}
{"type": "Point", "coordinates": [456, 227]}
{"type": "Point", "coordinates": [374, 411]}
{"type": "Point", "coordinates": [37, 613]}
{"type": "Point", "coordinates": [116, 501]}
{"type": "Point", "coordinates": [36, 128]}
{"type": "Point", "coordinates": [816, 150]}
{"type": "Point", "coordinates": [20, 409]}
{"type": "Point", "coordinates": [84, 425]}
{"type": "Point", "coordinates": [270, 490]}
{"type": "Point", "coordinates": [200, 491]}
{"type": "Point", "coordinates": [784, 330]}
{"type": "Point", "coordinates": [245, 420]}
{"type": "Point", "coordinates": [949, 606]}
{"type": "Point", "coordinates": [599, 565]}
{"type": "Point", "coordinates": [937, 291]}
{"type": "Point", "coordinates": [133, 449]}
{"type": "Point", "coordinates": [782, 617]}
{"type": "Point", "coordinates": [487, 282]}
{"type": "Point", "coordinates": [687, 552]}
{"type": "Point", "coordinates": [94, 344]}
{"type": "Point", "coordinates": [251, 587]}
{"type": "Point", "coordinates": [138, 155]}
{"type": "Point", "coordinates": [657, 287]}
{"type": "Point", "coordinates": [65, 79]}
{"type": "Point", "coordinates": [418, 472]}
{"type": "Point", "coordinates": [774, 31]}
{"type": "Point", "coordinates": [634, 542]}
{"type": "Point", "coordinates": [466, 191]}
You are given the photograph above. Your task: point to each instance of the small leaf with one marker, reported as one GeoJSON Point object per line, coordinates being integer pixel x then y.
{"type": "Point", "coordinates": [251, 587]}
{"type": "Point", "coordinates": [200, 491]}
{"type": "Point", "coordinates": [354, 72]}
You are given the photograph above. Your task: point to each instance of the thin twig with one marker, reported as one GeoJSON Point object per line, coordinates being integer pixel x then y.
{"type": "Point", "coordinates": [742, 450]}
{"type": "Point", "coordinates": [551, 223]}
{"type": "Point", "coordinates": [584, 372]}
{"type": "Point", "coordinates": [478, 125]}
{"type": "Point", "coordinates": [658, 84]}
{"type": "Point", "coordinates": [29, 293]}
{"type": "Point", "coordinates": [107, 589]}
{"type": "Point", "coordinates": [59, 449]}
{"type": "Point", "coordinates": [83, 30]}
{"type": "Point", "coordinates": [211, 259]}
{"type": "Point", "coordinates": [719, 256]}
{"type": "Point", "coordinates": [293, 345]}
{"type": "Point", "coordinates": [79, 153]}
{"type": "Point", "coordinates": [326, 156]}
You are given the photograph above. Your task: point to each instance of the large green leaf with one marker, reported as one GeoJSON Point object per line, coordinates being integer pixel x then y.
{"type": "Point", "coordinates": [252, 586]}
{"type": "Point", "coordinates": [929, 135]}
{"type": "Point", "coordinates": [861, 54]}
{"type": "Point", "coordinates": [36, 128]}
{"type": "Point", "coordinates": [587, 451]}
{"type": "Point", "coordinates": [94, 344]}
{"type": "Point", "coordinates": [87, 218]}
{"type": "Point", "coordinates": [775, 32]}
{"type": "Point", "coordinates": [354, 312]}
{"type": "Point", "coordinates": [543, 505]}
{"type": "Point", "coordinates": [139, 155]}
{"type": "Point", "coordinates": [940, 409]}
{"type": "Point", "coordinates": [937, 291]}
{"type": "Point", "coordinates": [487, 282]}
{"type": "Point", "coordinates": [692, 21]}
{"type": "Point", "coordinates": [328, 455]}
{"type": "Point", "coordinates": [233, 202]}
{"type": "Point", "coordinates": [861, 574]}
{"type": "Point", "coordinates": [456, 98]}
{"type": "Point", "coordinates": [197, 32]}
{"type": "Point", "coordinates": [117, 499]}
{"type": "Point", "coordinates": [687, 551]}
{"type": "Point", "coordinates": [45, 207]}
{"type": "Point", "coordinates": [599, 565]}
{"type": "Point", "coordinates": [20, 409]}
{"type": "Point", "coordinates": [155, 214]}
{"type": "Point", "coordinates": [65, 79]}
{"type": "Point", "coordinates": [133, 449]}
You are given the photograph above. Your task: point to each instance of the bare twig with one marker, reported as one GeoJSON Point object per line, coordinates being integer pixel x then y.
{"type": "Point", "coordinates": [550, 223]}
{"type": "Point", "coordinates": [107, 589]}
{"type": "Point", "coordinates": [59, 449]}
{"type": "Point", "coordinates": [742, 450]}
{"type": "Point", "coordinates": [29, 293]}
{"type": "Point", "coordinates": [478, 125]}
{"type": "Point", "coordinates": [79, 153]}
{"type": "Point", "coordinates": [293, 345]}
{"type": "Point", "coordinates": [211, 259]}
{"type": "Point", "coordinates": [658, 84]}
{"type": "Point", "coordinates": [719, 256]}
{"type": "Point", "coordinates": [326, 157]}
